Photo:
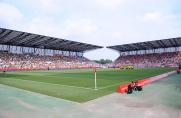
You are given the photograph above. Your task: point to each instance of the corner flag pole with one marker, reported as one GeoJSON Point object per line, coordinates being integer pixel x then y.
{"type": "Point", "coordinates": [95, 79]}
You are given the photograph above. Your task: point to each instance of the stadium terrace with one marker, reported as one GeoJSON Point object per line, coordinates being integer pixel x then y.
{"type": "Point", "coordinates": [158, 53]}
{"type": "Point", "coordinates": [27, 51]}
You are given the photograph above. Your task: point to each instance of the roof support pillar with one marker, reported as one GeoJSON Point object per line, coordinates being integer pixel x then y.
{"type": "Point", "coordinates": [21, 49]}
{"type": "Point", "coordinates": [28, 49]}
{"type": "Point", "coordinates": [34, 50]}
{"type": "Point", "coordinates": [44, 51]}
{"type": "Point", "coordinates": [164, 49]}
{"type": "Point", "coordinates": [176, 49]}
{"type": "Point", "coordinates": [8, 48]}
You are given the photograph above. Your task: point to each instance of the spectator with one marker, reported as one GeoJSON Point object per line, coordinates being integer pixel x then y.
{"type": "Point", "coordinates": [30, 61]}
{"type": "Point", "coordinates": [167, 59]}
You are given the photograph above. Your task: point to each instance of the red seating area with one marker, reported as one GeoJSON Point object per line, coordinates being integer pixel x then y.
{"type": "Point", "coordinates": [10, 61]}
{"type": "Point", "coordinates": [166, 59]}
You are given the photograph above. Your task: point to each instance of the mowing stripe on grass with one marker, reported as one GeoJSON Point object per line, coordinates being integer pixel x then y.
{"type": "Point", "coordinates": [34, 93]}
{"type": "Point", "coordinates": [67, 85]}
{"type": "Point", "coordinates": [50, 83]}
{"type": "Point", "coordinates": [109, 86]}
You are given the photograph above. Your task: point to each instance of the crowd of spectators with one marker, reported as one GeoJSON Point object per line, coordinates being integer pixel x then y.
{"type": "Point", "coordinates": [43, 62]}
{"type": "Point", "coordinates": [166, 59]}
{"type": "Point", "coordinates": [32, 61]}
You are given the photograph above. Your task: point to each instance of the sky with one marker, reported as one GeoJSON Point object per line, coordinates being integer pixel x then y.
{"type": "Point", "coordinates": [98, 22]}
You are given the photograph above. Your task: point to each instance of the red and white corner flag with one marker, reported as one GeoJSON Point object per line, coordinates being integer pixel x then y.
{"type": "Point", "coordinates": [94, 70]}
{"type": "Point", "coordinates": [95, 79]}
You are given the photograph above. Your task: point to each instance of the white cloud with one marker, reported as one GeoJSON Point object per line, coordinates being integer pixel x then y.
{"type": "Point", "coordinates": [48, 6]}
{"type": "Point", "coordinates": [112, 4]}
{"type": "Point", "coordinates": [158, 17]}
{"type": "Point", "coordinates": [80, 30]}
{"type": "Point", "coordinates": [99, 22]}
{"type": "Point", "coordinates": [80, 27]}
{"type": "Point", "coordinates": [102, 54]}
{"type": "Point", "coordinates": [9, 14]}
{"type": "Point", "coordinates": [153, 16]}
{"type": "Point", "coordinates": [45, 26]}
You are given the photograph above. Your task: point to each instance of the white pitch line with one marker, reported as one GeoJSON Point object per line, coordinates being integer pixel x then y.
{"type": "Point", "coordinates": [41, 94]}
{"type": "Point", "coordinates": [52, 84]}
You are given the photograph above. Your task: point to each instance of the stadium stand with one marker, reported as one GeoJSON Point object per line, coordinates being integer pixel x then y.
{"type": "Point", "coordinates": [159, 53]}
{"type": "Point", "coordinates": [27, 51]}
{"type": "Point", "coordinates": [167, 59]}
{"type": "Point", "coordinates": [12, 61]}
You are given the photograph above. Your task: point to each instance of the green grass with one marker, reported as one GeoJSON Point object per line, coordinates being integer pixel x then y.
{"type": "Point", "coordinates": [76, 85]}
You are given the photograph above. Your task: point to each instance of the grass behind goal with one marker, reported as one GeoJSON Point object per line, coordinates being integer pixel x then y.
{"type": "Point", "coordinates": [76, 85]}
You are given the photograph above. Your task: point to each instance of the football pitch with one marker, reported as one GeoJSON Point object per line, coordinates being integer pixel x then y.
{"type": "Point", "coordinates": [76, 85]}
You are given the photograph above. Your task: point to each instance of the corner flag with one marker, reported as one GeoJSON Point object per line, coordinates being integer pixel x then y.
{"type": "Point", "coordinates": [95, 79]}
